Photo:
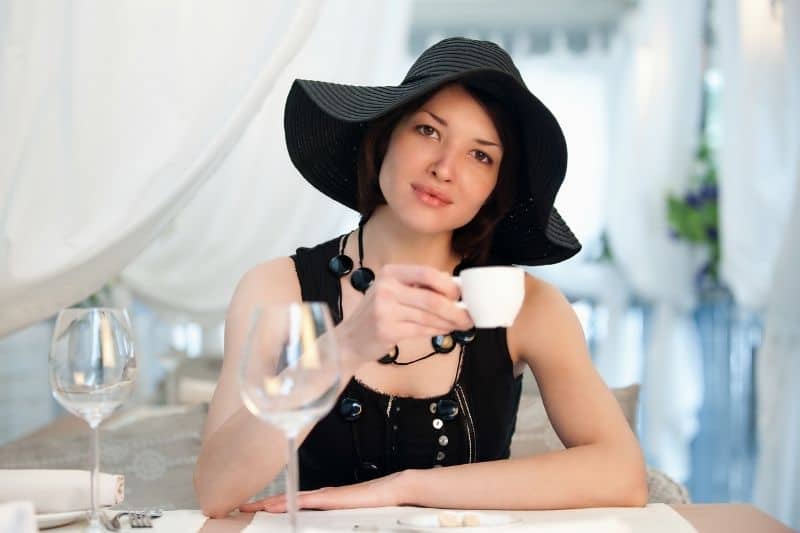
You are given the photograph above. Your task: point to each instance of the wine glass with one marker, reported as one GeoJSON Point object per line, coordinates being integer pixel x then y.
{"type": "Point", "coordinates": [290, 374]}
{"type": "Point", "coordinates": [92, 371]}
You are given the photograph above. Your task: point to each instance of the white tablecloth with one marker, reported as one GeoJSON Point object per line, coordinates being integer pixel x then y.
{"type": "Point", "coordinates": [655, 518]}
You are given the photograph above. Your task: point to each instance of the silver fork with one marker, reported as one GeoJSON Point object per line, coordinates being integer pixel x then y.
{"type": "Point", "coordinates": [140, 520]}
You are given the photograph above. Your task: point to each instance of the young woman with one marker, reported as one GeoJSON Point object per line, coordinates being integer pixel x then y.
{"type": "Point", "coordinates": [457, 166]}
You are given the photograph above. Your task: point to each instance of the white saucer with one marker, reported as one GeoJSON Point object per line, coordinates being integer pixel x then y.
{"type": "Point", "coordinates": [430, 520]}
{"type": "Point", "coordinates": [48, 520]}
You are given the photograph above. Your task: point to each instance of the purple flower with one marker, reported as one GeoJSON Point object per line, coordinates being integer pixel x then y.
{"type": "Point", "coordinates": [708, 192]}
{"type": "Point", "coordinates": [692, 199]}
{"type": "Point", "coordinates": [712, 233]}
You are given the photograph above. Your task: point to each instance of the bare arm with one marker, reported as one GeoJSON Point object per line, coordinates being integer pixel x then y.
{"type": "Point", "coordinates": [602, 465]}
{"type": "Point", "coordinates": [240, 454]}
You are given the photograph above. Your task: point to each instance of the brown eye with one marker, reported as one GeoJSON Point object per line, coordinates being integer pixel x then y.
{"type": "Point", "coordinates": [483, 157]}
{"type": "Point", "coordinates": [427, 131]}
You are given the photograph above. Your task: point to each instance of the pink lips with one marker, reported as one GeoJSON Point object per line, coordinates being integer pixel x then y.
{"type": "Point", "coordinates": [431, 196]}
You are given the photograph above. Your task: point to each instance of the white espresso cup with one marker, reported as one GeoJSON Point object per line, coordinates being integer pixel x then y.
{"type": "Point", "coordinates": [492, 295]}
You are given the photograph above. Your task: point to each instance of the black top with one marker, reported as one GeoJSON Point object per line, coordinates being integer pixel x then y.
{"type": "Point", "coordinates": [368, 434]}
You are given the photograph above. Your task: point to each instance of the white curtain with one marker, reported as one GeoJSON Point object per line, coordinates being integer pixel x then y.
{"type": "Point", "coordinates": [759, 46]}
{"type": "Point", "coordinates": [257, 206]}
{"type": "Point", "coordinates": [760, 141]}
{"type": "Point", "coordinates": [115, 115]}
{"type": "Point", "coordinates": [653, 134]}
{"type": "Point", "coordinates": [777, 478]}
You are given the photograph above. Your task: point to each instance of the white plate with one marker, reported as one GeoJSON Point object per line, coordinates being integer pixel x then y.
{"type": "Point", "coordinates": [48, 520]}
{"type": "Point", "coordinates": [431, 520]}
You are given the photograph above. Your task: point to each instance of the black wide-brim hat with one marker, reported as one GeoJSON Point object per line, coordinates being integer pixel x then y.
{"type": "Point", "coordinates": [325, 124]}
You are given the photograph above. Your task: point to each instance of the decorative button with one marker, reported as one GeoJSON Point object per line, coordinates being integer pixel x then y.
{"type": "Point", "coordinates": [367, 471]}
{"type": "Point", "coordinates": [437, 423]}
{"type": "Point", "coordinates": [443, 343]}
{"type": "Point", "coordinates": [362, 278]}
{"type": "Point", "coordinates": [432, 408]}
{"type": "Point", "coordinates": [447, 409]}
{"type": "Point", "coordinates": [443, 440]}
{"type": "Point", "coordinates": [390, 357]}
{"type": "Point", "coordinates": [350, 409]}
{"type": "Point", "coordinates": [340, 265]}
{"type": "Point", "coordinates": [465, 337]}
{"type": "Point", "coordinates": [440, 456]}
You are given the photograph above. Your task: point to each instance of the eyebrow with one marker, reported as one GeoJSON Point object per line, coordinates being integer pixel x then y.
{"type": "Point", "coordinates": [443, 122]}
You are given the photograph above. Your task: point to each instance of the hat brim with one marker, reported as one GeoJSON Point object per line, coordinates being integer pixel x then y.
{"type": "Point", "coordinates": [325, 123]}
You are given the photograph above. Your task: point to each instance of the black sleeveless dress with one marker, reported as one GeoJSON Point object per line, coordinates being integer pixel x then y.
{"type": "Point", "coordinates": [390, 433]}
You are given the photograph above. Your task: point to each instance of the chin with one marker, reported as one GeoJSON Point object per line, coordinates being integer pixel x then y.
{"type": "Point", "coordinates": [425, 221]}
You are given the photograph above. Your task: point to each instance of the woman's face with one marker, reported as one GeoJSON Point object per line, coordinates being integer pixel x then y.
{"type": "Point", "coordinates": [442, 162]}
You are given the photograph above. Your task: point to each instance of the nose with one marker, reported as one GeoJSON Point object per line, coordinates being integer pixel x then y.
{"type": "Point", "coordinates": [444, 165]}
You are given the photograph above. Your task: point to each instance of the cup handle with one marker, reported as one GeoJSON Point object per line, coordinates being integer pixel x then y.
{"type": "Point", "coordinates": [460, 303]}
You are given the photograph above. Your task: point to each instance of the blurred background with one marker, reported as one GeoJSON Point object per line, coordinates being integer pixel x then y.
{"type": "Point", "coordinates": [143, 164]}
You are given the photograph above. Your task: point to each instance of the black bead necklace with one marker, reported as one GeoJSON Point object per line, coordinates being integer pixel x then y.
{"type": "Point", "coordinates": [340, 265]}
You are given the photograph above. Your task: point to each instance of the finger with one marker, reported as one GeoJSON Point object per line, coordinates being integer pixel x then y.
{"type": "Point", "coordinates": [406, 314]}
{"type": "Point", "coordinates": [309, 500]}
{"type": "Point", "coordinates": [395, 302]}
{"type": "Point", "coordinates": [423, 276]}
{"type": "Point", "coordinates": [428, 307]}
{"type": "Point", "coordinates": [258, 505]}
{"type": "Point", "coordinates": [263, 503]}
{"type": "Point", "coordinates": [411, 330]}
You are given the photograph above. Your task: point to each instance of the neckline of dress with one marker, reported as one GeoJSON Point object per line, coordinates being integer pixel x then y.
{"type": "Point", "coordinates": [371, 390]}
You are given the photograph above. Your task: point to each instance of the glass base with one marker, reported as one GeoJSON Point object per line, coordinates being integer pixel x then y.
{"type": "Point", "coordinates": [94, 526]}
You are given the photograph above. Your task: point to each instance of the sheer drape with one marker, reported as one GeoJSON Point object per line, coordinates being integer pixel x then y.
{"type": "Point", "coordinates": [256, 206]}
{"type": "Point", "coordinates": [761, 132]}
{"type": "Point", "coordinates": [759, 44]}
{"type": "Point", "coordinates": [654, 131]}
{"type": "Point", "coordinates": [116, 114]}
{"type": "Point", "coordinates": [777, 479]}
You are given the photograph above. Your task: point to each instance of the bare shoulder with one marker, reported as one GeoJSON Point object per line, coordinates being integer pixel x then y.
{"type": "Point", "coordinates": [545, 321]}
{"type": "Point", "coordinates": [273, 281]}
{"type": "Point", "coordinates": [275, 275]}
{"type": "Point", "coordinates": [544, 302]}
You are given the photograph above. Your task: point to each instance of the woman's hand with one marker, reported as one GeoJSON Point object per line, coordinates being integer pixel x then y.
{"type": "Point", "coordinates": [404, 302]}
{"type": "Point", "coordinates": [387, 491]}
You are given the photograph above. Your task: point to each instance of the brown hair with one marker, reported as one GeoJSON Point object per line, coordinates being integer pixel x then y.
{"type": "Point", "coordinates": [473, 240]}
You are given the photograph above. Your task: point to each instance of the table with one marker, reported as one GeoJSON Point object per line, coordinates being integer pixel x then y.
{"type": "Point", "coordinates": [706, 518]}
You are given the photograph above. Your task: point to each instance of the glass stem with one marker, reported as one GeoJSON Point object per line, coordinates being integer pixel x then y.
{"type": "Point", "coordinates": [95, 480]}
{"type": "Point", "coordinates": [291, 483]}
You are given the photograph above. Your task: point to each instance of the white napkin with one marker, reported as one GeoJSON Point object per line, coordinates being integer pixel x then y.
{"type": "Point", "coordinates": [17, 517]}
{"type": "Point", "coordinates": [57, 491]}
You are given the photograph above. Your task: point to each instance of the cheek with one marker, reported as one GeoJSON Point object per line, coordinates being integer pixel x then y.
{"type": "Point", "coordinates": [385, 175]}
{"type": "Point", "coordinates": [392, 168]}
{"type": "Point", "coordinates": [482, 192]}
